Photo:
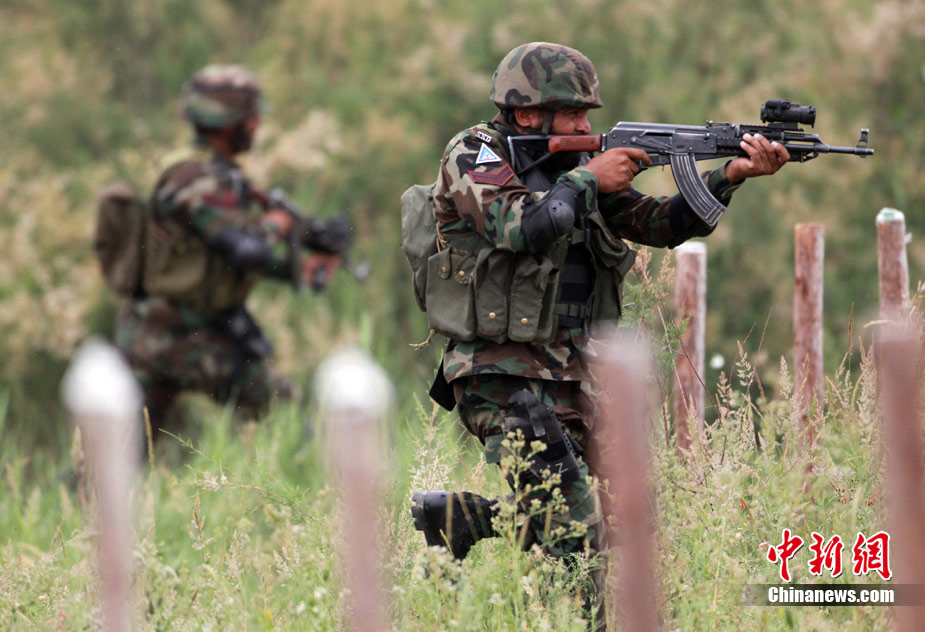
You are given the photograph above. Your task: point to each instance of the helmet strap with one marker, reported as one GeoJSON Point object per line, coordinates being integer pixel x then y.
{"type": "Point", "coordinates": [547, 122]}
{"type": "Point", "coordinates": [549, 115]}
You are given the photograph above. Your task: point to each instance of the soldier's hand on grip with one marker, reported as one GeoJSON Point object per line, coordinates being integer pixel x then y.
{"type": "Point", "coordinates": [280, 221]}
{"type": "Point", "coordinates": [615, 168]}
{"type": "Point", "coordinates": [318, 268]}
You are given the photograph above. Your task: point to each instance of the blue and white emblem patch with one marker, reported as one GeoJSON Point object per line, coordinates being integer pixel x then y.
{"type": "Point", "coordinates": [486, 156]}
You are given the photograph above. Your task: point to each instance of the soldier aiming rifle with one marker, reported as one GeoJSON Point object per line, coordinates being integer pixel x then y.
{"type": "Point", "coordinates": [207, 236]}
{"type": "Point", "coordinates": [526, 262]}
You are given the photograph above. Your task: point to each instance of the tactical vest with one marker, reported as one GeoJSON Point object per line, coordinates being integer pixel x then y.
{"type": "Point", "coordinates": [181, 266]}
{"type": "Point", "coordinates": [475, 290]}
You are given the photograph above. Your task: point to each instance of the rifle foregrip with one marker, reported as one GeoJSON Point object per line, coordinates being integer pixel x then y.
{"type": "Point", "coordinates": [574, 143]}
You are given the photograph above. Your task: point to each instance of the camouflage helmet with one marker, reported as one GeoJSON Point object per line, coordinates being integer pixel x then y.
{"type": "Point", "coordinates": [546, 76]}
{"type": "Point", "coordinates": [218, 97]}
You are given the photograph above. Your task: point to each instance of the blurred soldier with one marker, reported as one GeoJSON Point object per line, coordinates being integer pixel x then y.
{"type": "Point", "coordinates": [530, 262]}
{"type": "Point", "coordinates": [209, 235]}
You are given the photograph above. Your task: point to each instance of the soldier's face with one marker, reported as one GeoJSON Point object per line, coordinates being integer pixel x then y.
{"type": "Point", "coordinates": [242, 136]}
{"type": "Point", "coordinates": [570, 122]}
{"type": "Point", "coordinates": [250, 129]}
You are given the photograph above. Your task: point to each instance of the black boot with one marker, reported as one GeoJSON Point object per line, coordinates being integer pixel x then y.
{"type": "Point", "coordinates": [458, 519]}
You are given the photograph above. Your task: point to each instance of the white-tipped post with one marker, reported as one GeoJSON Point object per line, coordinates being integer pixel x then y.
{"type": "Point", "coordinates": [892, 264]}
{"type": "Point", "coordinates": [105, 401]}
{"type": "Point", "coordinates": [355, 393]}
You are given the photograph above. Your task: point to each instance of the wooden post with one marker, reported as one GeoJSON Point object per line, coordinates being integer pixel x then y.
{"type": "Point", "coordinates": [355, 393]}
{"type": "Point", "coordinates": [898, 356]}
{"type": "Point", "coordinates": [690, 300]}
{"type": "Point", "coordinates": [809, 253]}
{"type": "Point", "coordinates": [892, 263]}
{"type": "Point", "coordinates": [105, 402]}
{"type": "Point", "coordinates": [626, 377]}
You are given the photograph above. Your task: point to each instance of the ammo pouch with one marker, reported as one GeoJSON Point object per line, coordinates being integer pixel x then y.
{"type": "Point", "coordinates": [451, 294]}
{"type": "Point", "coordinates": [613, 261]}
{"type": "Point", "coordinates": [492, 294]}
{"type": "Point", "coordinates": [538, 423]}
{"type": "Point", "coordinates": [237, 323]}
{"type": "Point", "coordinates": [474, 290]}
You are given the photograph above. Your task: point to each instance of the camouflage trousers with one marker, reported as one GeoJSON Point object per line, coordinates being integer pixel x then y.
{"type": "Point", "coordinates": [482, 403]}
{"type": "Point", "coordinates": [173, 349]}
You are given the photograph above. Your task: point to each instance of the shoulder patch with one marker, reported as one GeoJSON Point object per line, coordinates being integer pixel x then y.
{"type": "Point", "coordinates": [483, 136]}
{"type": "Point", "coordinates": [486, 156]}
{"type": "Point", "coordinates": [498, 177]}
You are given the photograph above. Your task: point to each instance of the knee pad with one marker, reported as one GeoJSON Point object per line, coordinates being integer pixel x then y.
{"type": "Point", "coordinates": [551, 217]}
{"type": "Point", "coordinates": [453, 520]}
{"type": "Point", "coordinates": [538, 423]}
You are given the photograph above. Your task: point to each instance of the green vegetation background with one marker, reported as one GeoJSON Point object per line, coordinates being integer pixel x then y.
{"type": "Point", "coordinates": [363, 97]}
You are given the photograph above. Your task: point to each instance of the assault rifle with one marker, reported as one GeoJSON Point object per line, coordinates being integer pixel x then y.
{"type": "Point", "coordinates": [681, 146]}
{"type": "Point", "coordinates": [331, 236]}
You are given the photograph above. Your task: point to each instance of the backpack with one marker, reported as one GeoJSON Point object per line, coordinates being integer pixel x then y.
{"type": "Point", "coordinates": [119, 237]}
{"type": "Point", "coordinates": [419, 234]}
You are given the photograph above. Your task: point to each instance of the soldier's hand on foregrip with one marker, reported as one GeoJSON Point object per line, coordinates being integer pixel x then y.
{"type": "Point", "coordinates": [333, 236]}
{"type": "Point", "coordinates": [615, 168]}
{"type": "Point", "coordinates": [317, 269]}
{"type": "Point", "coordinates": [764, 158]}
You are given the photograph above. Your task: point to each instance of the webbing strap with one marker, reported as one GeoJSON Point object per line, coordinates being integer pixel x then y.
{"type": "Point", "coordinates": [572, 315]}
{"type": "Point", "coordinates": [572, 310]}
{"type": "Point", "coordinates": [579, 235]}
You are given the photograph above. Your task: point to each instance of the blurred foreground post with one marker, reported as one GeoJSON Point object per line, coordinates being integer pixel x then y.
{"type": "Point", "coordinates": [104, 400]}
{"type": "Point", "coordinates": [809, 253]}
{"type": "Point", "coordinates": [690, 300]}
{"type": "Point", "coordinates": [899, 352]}
{"type": "Point", "coordinates": [625, 410]}
{"type": "Point", "coordinates": [892, 263]}
{"type": "Point", "coordinates": [355, 394]}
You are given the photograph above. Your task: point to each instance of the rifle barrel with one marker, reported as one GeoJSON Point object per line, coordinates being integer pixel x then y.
{"type": "Point", "coordinates": [822, 148]}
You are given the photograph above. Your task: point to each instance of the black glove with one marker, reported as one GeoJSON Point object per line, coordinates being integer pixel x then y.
{"type": "Point", "coordinates": [334, 236]}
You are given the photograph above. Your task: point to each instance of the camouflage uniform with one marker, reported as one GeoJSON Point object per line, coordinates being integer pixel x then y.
{"type": "Point", "coordinates": [188, 329]}
{"type": "Point", "coordinates": [475, 196]}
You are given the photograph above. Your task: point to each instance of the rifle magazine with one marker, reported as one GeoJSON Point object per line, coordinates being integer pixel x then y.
{"type": "Point", "coordinates": [692, 187]}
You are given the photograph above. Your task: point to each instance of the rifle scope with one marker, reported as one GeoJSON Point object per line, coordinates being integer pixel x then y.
{"type": "Point", "coordinates": [783, 111]}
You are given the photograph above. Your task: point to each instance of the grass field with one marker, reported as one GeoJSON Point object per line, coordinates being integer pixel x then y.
{"type": "Point", "coordinates": [240, 529]}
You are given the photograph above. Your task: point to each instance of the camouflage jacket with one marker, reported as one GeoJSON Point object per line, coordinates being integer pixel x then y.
{"type": "Point", "coordinates": [476, 193]}
{"type": "Point", "coordinates": [196, 197]}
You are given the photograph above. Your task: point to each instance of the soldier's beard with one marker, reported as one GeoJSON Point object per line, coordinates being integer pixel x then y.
{"type": "Point", "coordinates": [241, 139]}
{"type": "Point", "coordinates": [564, 161]}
